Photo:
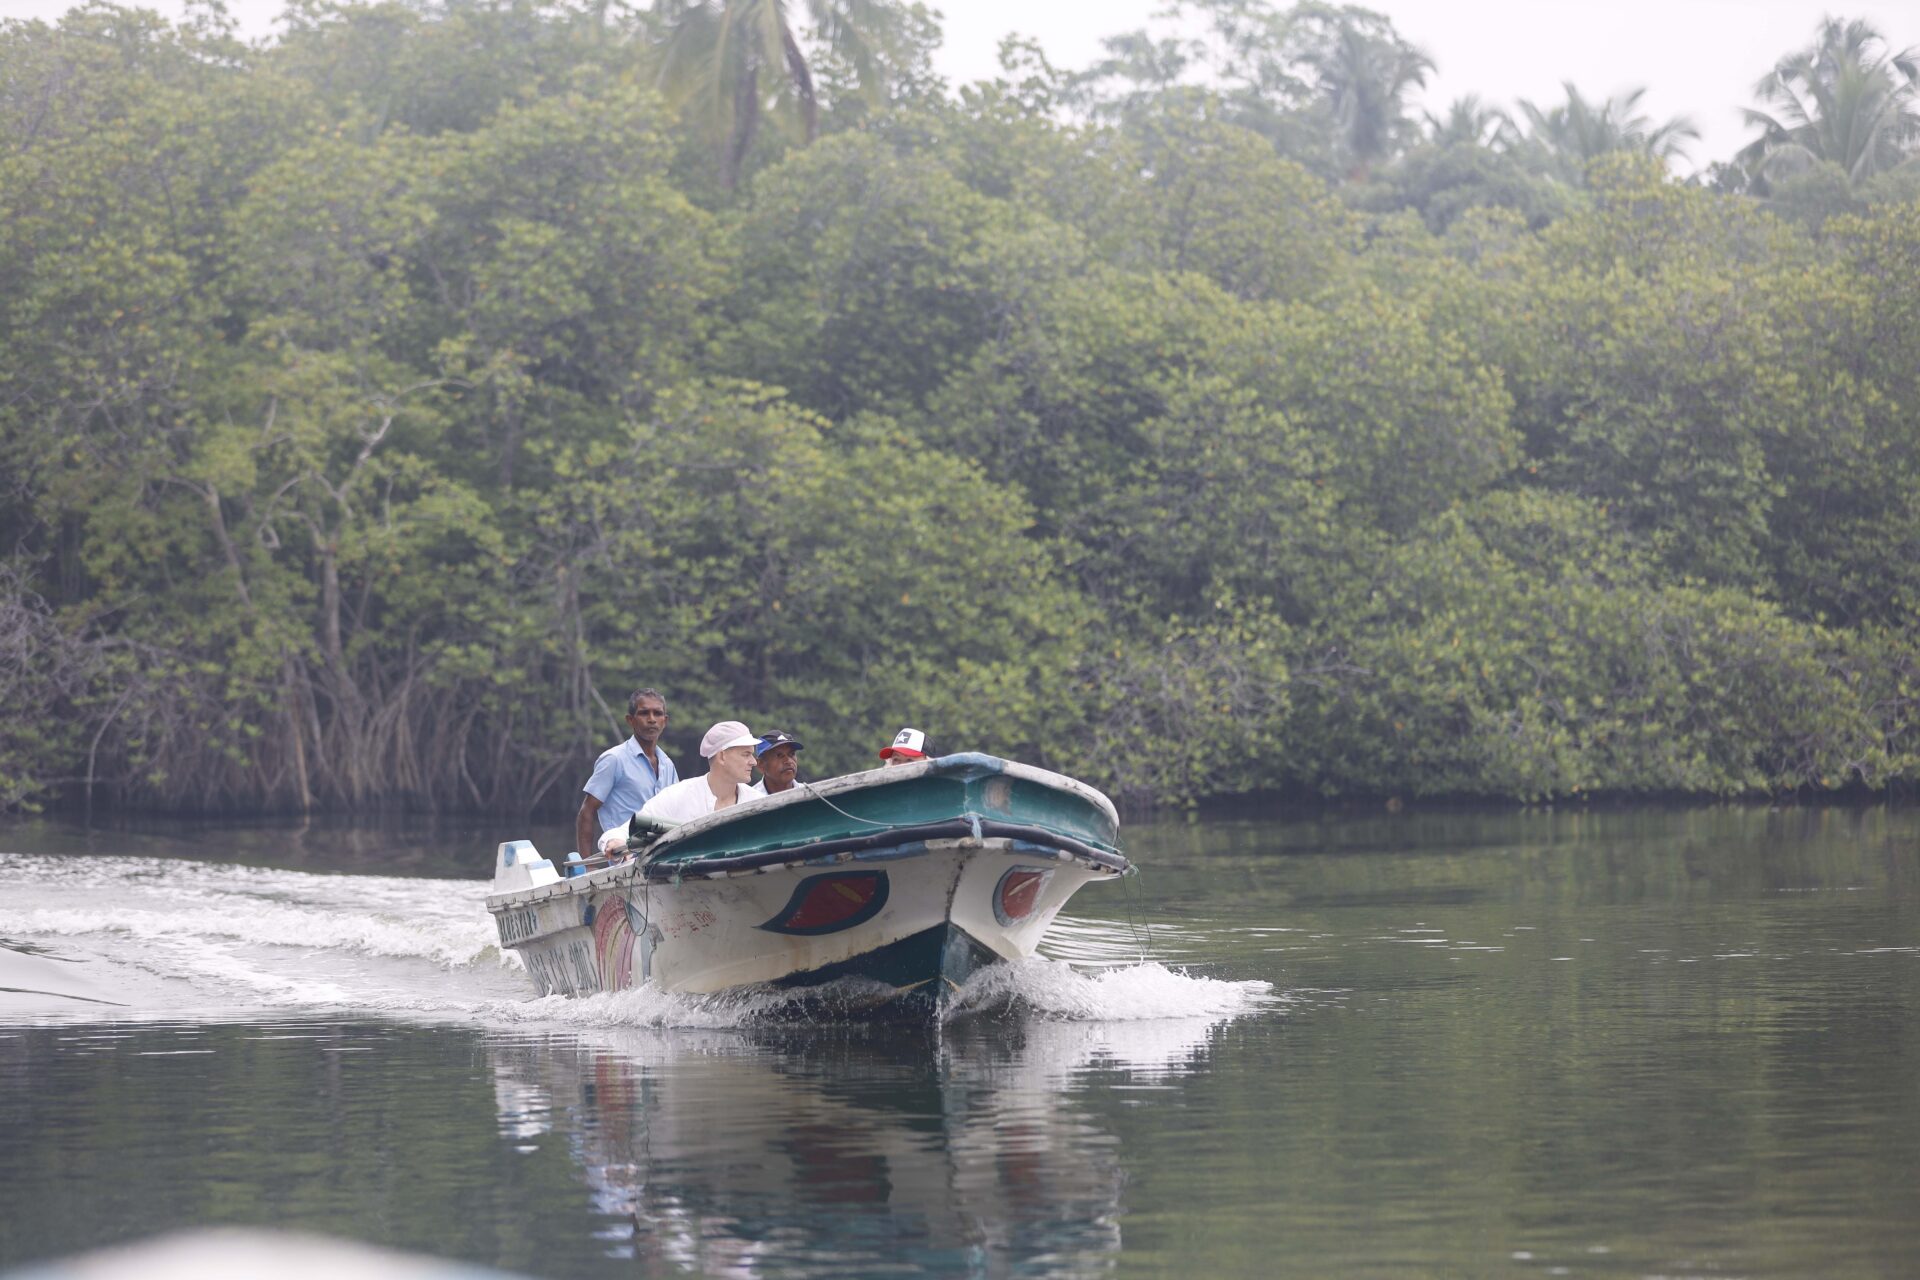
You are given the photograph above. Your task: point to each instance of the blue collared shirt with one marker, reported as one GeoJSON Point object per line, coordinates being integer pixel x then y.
{"type": "Point", "coordinates": [624, 779]}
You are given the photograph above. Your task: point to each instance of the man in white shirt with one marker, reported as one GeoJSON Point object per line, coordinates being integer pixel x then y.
{"type": "Point", "coordinates": [728, 748]}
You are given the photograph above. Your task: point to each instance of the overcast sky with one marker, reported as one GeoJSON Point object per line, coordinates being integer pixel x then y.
{"type": "Point", "coordinates": [1695, 57]}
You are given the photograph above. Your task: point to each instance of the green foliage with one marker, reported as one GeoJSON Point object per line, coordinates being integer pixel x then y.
{"type": "Point", "coordinates": [791, 573]}
{"type": "Point", "coordinates": [1661, 379]}
{"type": "Point", "coordinates": [1849, 103]}
{"type": "Point", "coordinates": [1218, 202]}
{"type": "Point", "coordinates": [1564, 141]}
{"type": "Point", "coordinates": [1443, 183]}
{"type": "Point", "coordinates": [1813, 194]}
{"type": "Point", "coordinates": [1326, 85]}
{"type": "Point", "coordinates": [389, 65]}
{"type": "Point", "coordinates": [379, 406]}
{"type": "Point", "coordinates": [1846, 539]}
{"type": "Point", "coordinates": [44, 673]}
{"type": "Point", "coordinates": [1882, 667]}
{"type": "Point", "coordinates": [865, 268]}
{"type": "Point", "coordinates": [1518, 647]}
{"type": "Point", "coordinates": [1185, 709]}
{"type": "Point", "coordinates": [730, 61]}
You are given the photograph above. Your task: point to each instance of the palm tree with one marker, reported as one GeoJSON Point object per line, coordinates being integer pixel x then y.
{"type": "Point", "coordinates": [1563, 140]}
{"type": "Point", "coordinates": [739, 56]}
{"type": "Point", "coordinates": [1845, 101]}
{"type": "Point", "coordinates": [1470, 123]}
{"type": "Point", "coordinates": [1363, 72]}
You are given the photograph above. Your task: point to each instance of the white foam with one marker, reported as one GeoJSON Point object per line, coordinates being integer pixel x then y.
{"type": "Point", "coordinates": [230, 1251]}
{"type": "Point", "coordinates": [423, 947]}
{"type": "Point", "coordinates": [1050, 989]}
{"type": "Point", "coordinates": [166, 935]}
{"type": "Point", "coordinates": [1130, 993]}
{"type": "Point", "coordinates": [450, 943]}
{"type": "Point", "coordinates": [155, 899]}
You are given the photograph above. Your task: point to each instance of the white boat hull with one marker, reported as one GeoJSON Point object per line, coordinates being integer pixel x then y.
{"type": "Point", "coordinates": [614, 929]}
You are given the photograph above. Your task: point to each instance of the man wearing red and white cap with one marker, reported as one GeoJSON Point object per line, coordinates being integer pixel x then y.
{"type": "Point", "coordinates": [728, 748]}
{"type": "Point", "coordinates": [909, 746]}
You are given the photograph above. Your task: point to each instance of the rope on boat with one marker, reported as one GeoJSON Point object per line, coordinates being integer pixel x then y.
{"type": "Point", "coordinates": [837, 809]}
{"type": "Point", "coordinates": [1141, 928]}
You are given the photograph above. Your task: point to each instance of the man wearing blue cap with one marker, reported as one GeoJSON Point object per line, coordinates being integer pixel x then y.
{"type": "Point", "coordinates": [776, 757]}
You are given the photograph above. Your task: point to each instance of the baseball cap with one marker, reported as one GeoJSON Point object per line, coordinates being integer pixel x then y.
{"type": "Point", "coordinates": [768, 741]}
{"type": "Point", "coordinates": [728, 733]}
{"type": "Point", "coordinates": [910, 744]}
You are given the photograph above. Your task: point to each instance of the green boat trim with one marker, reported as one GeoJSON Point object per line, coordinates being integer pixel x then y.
{"type": "Point", "coordinates": [895, 842]}
{"type": "Point", "coordinates": [969, 794]}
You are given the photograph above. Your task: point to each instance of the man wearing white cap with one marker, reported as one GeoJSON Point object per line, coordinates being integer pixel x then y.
{"type": "Point", "coordinates": [909, 746]}
{"type": "Point", "coordinates": [728, 748]}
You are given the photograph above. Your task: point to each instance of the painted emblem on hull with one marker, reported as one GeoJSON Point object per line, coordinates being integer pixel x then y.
{"type": "Point", "coordinates": [831, 902]}
{"type": "Point", "coordinates": [619, 941]}
{"type": "Point", "coordinates": [1018, 892]}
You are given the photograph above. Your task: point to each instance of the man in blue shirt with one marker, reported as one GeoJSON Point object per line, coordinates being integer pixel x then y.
{"type": "Point", "coordinates": [627, 776]}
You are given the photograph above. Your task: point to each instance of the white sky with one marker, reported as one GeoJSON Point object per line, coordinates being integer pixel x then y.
{"type": "Point", "coordinates": [1695, 57]}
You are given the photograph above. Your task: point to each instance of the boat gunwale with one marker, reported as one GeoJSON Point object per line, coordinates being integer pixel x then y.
{"type": "Point", "coordinates": [967, 832]}
{"type": "Point", "coordinates": [963, 762]}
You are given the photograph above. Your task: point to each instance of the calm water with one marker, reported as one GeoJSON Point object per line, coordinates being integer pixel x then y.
{"type": "Point", "coordinates": [1642, 1043]}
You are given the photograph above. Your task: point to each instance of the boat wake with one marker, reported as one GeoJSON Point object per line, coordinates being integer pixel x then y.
{"type": "Point", "coordinates": [1038, 988]}
{"type": "Point", "coordinates": [87, 938]}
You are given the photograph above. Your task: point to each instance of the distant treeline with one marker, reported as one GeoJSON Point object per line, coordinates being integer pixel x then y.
{"type": "Point", "coordinates": [381, 405]}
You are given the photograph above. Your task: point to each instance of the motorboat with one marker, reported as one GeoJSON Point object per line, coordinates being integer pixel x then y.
{"type": "Point", "coordinates": [891, 885]}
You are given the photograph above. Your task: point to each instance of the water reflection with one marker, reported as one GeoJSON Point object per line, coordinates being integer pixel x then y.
{"type": "Point", "coordinates": [808, 1152]}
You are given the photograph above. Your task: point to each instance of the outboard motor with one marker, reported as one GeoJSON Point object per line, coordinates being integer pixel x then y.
{"type": "Point", "coordinates": [643, 831]}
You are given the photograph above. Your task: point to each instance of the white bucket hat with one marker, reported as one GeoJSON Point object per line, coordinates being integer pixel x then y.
{"type": "Point", "coordinates": [728, 733]}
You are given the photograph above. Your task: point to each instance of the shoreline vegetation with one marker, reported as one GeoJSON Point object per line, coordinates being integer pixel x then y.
{"type": "Point", "coordinates": [380, 404]}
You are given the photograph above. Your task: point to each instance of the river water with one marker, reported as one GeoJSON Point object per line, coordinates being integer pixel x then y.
{"type": "Point", "coordinates": [1610, 1043]}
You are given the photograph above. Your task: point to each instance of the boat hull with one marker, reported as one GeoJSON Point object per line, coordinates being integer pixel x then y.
{"type": "Point", "coordinates": [933, 923]}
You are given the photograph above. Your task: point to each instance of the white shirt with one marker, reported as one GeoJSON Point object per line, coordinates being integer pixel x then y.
{"type": "Point", "coordinates": [691, 798]}
{"type": "Point", "coordinates": [694, 799]}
